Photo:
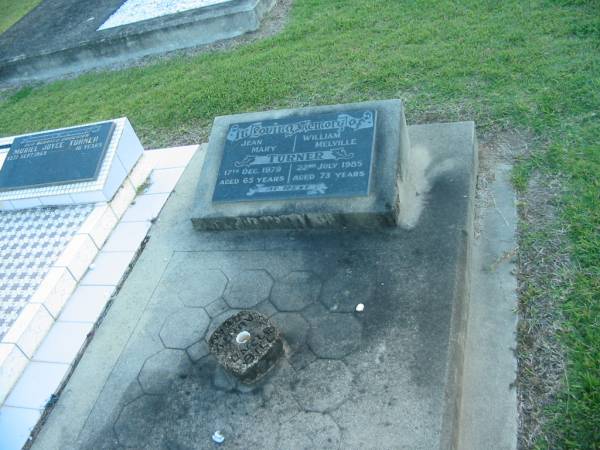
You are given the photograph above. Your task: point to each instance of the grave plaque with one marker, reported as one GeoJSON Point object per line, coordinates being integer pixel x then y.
{"type": "Point", "coordinates": [316, 167]}
{"type": "Point", "coordinates": [56, 158]}
{"type": "Point", "coordinates": [319, 155]}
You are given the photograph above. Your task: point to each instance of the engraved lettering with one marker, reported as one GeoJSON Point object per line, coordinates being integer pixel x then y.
{"type": "Point", "coordinates": [319, 155]}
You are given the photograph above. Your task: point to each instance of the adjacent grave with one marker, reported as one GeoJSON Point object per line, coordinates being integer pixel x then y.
{"type": "Point", "coordinates": [314, 167]}
{"type": "Point", "coordinates": [55, 158]}
{"type": "Point", "coordinates": [54, 217]}
{"type": "Point", "coordinates": [76, 206]}
{"type": "Point", "coordinates": [69, 166]}
{"type": "Point", "coordinates": [47, 43]}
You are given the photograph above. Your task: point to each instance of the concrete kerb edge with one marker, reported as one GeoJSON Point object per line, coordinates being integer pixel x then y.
{"type": "Point", "coordinates": [450, 431]}
{"type": "Point", "coordinates": [490, 363]}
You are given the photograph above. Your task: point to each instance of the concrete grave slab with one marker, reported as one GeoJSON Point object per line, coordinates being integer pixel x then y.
{"type": "Point", "coordinates": [395, 381]}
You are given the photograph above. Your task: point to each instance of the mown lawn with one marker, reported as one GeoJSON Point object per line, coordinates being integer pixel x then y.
{"type": "Point", "coordinates": [532, 65]}
{"type": "Point", "coordinates": [11, 11]}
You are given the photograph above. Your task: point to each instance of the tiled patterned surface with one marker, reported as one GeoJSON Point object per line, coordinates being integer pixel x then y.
{"type": "Point", "coordinates": [30, 242]}
{"type": "Point", "coordinates": [53, 359]}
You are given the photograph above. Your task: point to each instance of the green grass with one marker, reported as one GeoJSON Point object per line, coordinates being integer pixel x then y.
{"type": "Point", "coordinates": [532, 65]}
{"type": "Point", "coordinates": [13, 10]}
{"type": "Point", "coordinates": [578, 411]}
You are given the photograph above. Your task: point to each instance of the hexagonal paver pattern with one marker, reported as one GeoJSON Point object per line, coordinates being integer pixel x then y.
{"type": "Point", "coordinates": [135, 425]}
{"type": "Point", "coordinates": [198, 351]}
{"type": "Point", "coordinates": [216, 307]}
{"type": "Point", "coordinates": [294, 328]}
{"type": "Point", "coordinates": [247, 288]}
{"type": "Point", "coordinates": [184, 328]}
{"type": "Point", "coordinates": [201, 287]}
{"type": "Point", "coordinates": [346, 289]}
{"type": "Point", "coordinates": [161, 369]}
{"type": "Point", "coordinates": [266, 308]}
{"type": "Point", "coordinates": [308, 431]}
{"type": "Point", "coordinates": [296, 291]}
{"type": "Point", "coordinates": [323, 385]}
{"type": "Point", "coordinates": [334, 335]}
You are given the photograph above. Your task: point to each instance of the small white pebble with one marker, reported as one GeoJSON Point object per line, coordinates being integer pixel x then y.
{"type": "Point", "coordinates": [360, 307]}
{"type": "Point", "coordinates": [218, 437]}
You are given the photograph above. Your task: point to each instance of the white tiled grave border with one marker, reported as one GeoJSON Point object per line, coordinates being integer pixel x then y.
{"type": "Point", "coordinates": [39, 351]}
